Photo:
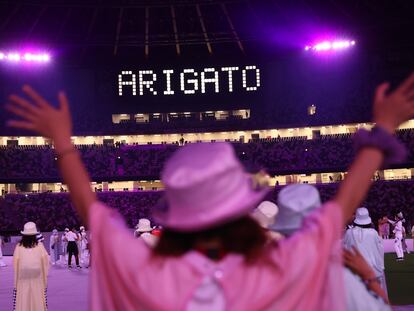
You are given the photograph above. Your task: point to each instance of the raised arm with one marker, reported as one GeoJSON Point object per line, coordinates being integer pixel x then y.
{"type": "Point", "coordinates": [392, 222]}
{"type": "Point", "coordinates": [390, 110]}
{"type": "Point", "coordinates": [39, 116]}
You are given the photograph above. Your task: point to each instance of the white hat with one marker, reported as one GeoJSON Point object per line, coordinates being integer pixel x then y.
{"type": "Point", "coordinates": [29, 229]}
{"type": "Point", "coordinates": [266, 213]}
{"type": "Point", "coordinates": [54, 231]}
{"type": "Point", "coordinates": [295, 202]}
{"type": "Point", "coordinates": [81, 228]}
{"type": "Point", "coordinates": [362, 216]}
{"type": "Point", "coordinates": [400, 215]}
{"type": "Point", "coordinates": [67, 229]}
{"type": "Point", "coordinates": [144, 225]}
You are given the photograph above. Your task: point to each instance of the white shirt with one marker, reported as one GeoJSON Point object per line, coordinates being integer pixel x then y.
{"type": "Point", "coordinates": [71, 236]}
{"type": "Point", "coordinates": [368, 242]}
{"type": "Point", "coordinates": [150, 239]}
{"type": "Point", "coordinates": [398, 228]}
{"type": "Point", "coordinates": [208, 296]}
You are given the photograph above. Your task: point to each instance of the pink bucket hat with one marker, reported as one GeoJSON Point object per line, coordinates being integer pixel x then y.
{"type": "Point", "coordinates": [205, 186]}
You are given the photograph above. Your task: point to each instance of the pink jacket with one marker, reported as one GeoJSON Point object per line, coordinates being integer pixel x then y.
{"type": "Point", "coordinates": [302, 272]}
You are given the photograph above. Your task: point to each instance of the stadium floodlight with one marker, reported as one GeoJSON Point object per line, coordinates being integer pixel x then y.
{"type": "Point", "coordinates": [28, 57]}
{"type": "Point", "coordinates": [335, 45]}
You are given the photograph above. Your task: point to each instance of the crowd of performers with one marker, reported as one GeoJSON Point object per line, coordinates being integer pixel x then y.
{"type": "Point", "coordinates": [71, 243]}
{"type": "Point", "coordinates": [399, 233]}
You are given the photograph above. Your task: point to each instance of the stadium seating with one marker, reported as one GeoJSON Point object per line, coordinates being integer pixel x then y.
{"type": "Point", "coordinates": [329, 153]}
{"type": "Point", "coordinates": [54, 210]}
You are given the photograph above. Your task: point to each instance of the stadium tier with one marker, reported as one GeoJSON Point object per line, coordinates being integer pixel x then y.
{"type": "Point", "coordinates": [278, 156]}
{"type": "Point", "coordinates": [54, 210]}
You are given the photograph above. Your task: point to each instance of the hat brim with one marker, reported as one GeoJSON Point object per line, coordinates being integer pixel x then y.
{"type": "Point", "coordinates": [363, 222]}
{"type": "Point", "coordinates": [246, 204]}
{"type": "Point", "coordinates": [144, 230]}
{"type": "Point", "coordinates": [31, 233]}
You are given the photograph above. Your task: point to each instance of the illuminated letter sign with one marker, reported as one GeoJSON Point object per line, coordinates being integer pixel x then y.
{"type": "Point", "coordinates": [147, 83]}
{"type": "Point", "coordinates": [194, 82]}
{"type": "Point", "coordinates": [251, 88]}
{"type": "Point", "coordinates": [189, 82]}
{"type": "Point", "coordinates": [132, 82]}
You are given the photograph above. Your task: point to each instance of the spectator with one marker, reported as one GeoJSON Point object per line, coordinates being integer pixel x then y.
{"type": "Point", "coordinates": [54, 246]}
{"type": "Point", "coordinates": [364, 238]}
{"type": "Point", "coordinates": [296, 203]}
{"type": "Point", "coordinates": [30, 264]}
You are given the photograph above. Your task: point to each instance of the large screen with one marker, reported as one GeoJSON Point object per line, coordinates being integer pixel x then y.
{"type": "Point", "coordinates": [277, 93]}
{"type": "Point", "coordinates": [130, 89]}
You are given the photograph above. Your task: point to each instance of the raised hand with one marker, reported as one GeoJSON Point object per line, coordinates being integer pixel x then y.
{"type": "Point", "coordinates": [37, 115]}
{"type": "Point", "coordinates": [390, 110]}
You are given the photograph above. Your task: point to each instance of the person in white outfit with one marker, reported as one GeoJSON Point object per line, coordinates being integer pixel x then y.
{"type": "Point", "coordinates": [398, 234]}
{"type": "Point", "coordinates": [404, 242]}
{"type": "Point", "coordinates": [366, 239]}
{"type": "Point", "coordinates": [83, 246]}
{"type": "Point", "coordinates": [2, 263]}
{"type": "Point", "coordinates": [295, 203]}
{"type": "Point", "coordinates": [64, 255]}
{"type": "Point", "coordinates": [143, 231]}
{"type": "Point", "coordinates": [54, 247]}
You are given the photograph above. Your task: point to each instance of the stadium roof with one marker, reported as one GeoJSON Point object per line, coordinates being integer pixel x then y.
{"type": "Point", "coordinates": [86, 30]}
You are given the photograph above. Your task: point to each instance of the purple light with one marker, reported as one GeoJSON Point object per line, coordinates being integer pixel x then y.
{"type": "Point", "coordinates": [24, 57]}
{"type": "Point", "coordinates": [330, 45]}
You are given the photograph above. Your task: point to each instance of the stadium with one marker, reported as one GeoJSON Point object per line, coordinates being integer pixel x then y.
{"type": "Point", "coordinates": [288, 86]}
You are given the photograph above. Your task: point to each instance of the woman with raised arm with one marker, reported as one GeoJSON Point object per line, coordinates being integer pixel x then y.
{"type": "Point", "coordinates": [212, 255]}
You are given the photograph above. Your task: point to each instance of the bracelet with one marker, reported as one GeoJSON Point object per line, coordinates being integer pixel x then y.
{"type": "Point", "coordinates": [393, 150]}
{"type": "Point", "coordinates": [66, 152]}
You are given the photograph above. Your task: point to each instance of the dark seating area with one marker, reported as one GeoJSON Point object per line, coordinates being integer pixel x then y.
{"type": "Point", "coordinates": [54, 210]}
{"type": "Point", "coordinates": [329, 153]}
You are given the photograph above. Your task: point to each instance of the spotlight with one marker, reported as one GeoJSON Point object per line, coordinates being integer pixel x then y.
{"type": "Point", "coordinates": [330, 45]}
{"type": "Point", "coordinates": [26, 57]}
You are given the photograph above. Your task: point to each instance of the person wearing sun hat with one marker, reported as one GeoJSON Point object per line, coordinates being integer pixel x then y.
{"type": "Point", "coordinates": [212, 255]}
{"type": "Point", "coordinates": [365, 238]}
{"type": "Point", "coordinates": [143, 230]}
{"type": "Point", "coordinates": [295, 203]}
{"type": "Point", "coordinates": [265, 214]}
{"type": "Point", "coordinates": [31, 265]}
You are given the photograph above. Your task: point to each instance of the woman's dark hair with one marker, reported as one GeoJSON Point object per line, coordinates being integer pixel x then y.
{"type": "Point", "coordinates": [243, 236]}
{"type": "Point", "coordinates": [371, 225]}
{"type": "Point", "coordinates": [28, 241]}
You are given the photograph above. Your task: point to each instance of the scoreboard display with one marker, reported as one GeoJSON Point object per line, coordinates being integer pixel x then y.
{"type": "Point", "coordinates": [191, 82]}
{"type": "Point", "coordinates": [135, 89]}
{"type": "Point", "coordinates": [279, 91]}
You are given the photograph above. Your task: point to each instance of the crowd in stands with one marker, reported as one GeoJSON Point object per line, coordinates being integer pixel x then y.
{"type": "Point", "coordinates": [329, 153]}
{"type": "Point", "coordinates": [54, 210]}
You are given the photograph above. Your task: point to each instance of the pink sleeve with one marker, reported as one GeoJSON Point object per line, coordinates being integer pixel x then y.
{"type": "Point", "coordinates": [116, 258]}
{"type": "Point", "coordinates": [112, 240]}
